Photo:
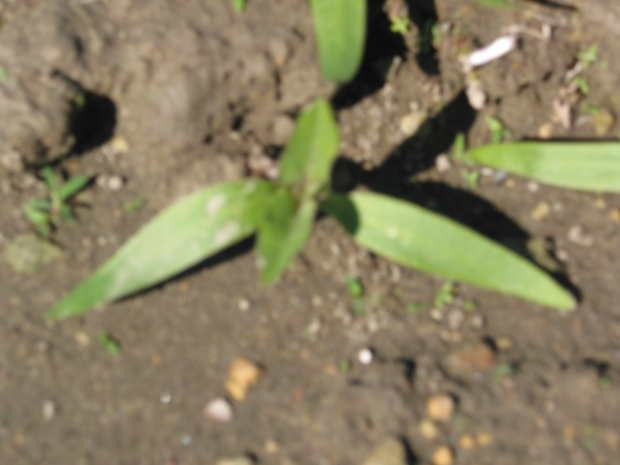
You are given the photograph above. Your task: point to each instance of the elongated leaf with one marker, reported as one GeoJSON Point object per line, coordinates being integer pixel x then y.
{"type": "Point", "coordinates": [183, 235]}
{"type": "Point", "coordinates": [284, 233]}
{"type": "Point", "coordinates": [593, 166]}
{"type": "Point", "coordinates": [309, 156]}
{"type": "Point", "coordinates": [341, 34]}
{"type": "Point", "coordinates": [73, 186]}
{"type": "Point", "coordinates": [239, 4]}
{"type": "Point", "coordinates": [416, 237]}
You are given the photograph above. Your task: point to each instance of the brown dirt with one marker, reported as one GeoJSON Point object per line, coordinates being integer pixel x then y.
{"type": "Point", "coordinates": [195, 89]}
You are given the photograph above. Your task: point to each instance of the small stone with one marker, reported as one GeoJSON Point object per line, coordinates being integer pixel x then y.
{"type": "Point", "coordinates": [165, 398]}
{"type": "Point", "coordinates": [28, 253]}
{"type": "Point", "coordinates": [475, 94]}
{"type": "Point", "coordinates": [243, 460]}
{"type": "Point", "coordinates": [279, 51]}
{"type": "Point", "coordinates": [510, 183]}
{"type": "Point", "coordinates": [614, 215]}
{"type": "Point", "coordinates": [443, 455]}
{"type": "Point", "coordinates": [115, 182]}
{"type": "Point", "coordinates": [242, 375]}
{"type": "Point", "coordinates": [577, 235]}
{"type": "Point", "coordinates": [82, 338]}
{"type": "Point", "coordinates": [272, 447]}
{"type": "Point", "coordinates": [409, 124]}
{"type": "Point", "coordinates": [428, 430]}
{"type": "Point", "coordinates": [533, 186]}
{"type": "Point", "coordinates": [219, 410]}
{"type": "Point", "coordinates": [545, 131]}
{"type": "Point", "coordinates": [541, 211]}
{"type": "Point", "coordinates": [465, 362]}
{"type": "Point", "coordinates": [390, 452]}
{"type": "Point", "coordinates": [487, 171]}
{"type": "Point", "coordinates": [503, 343]}
{"type": "Point", "coordinates": [442, 163]}
{"type": "Point", "coordinates": [600, 203]}
{"type": "Point", "coordinates": [440, 407]}
{"type": "Point", "coordinates": [119, 145]}
{"type": "Point", "coordinates": [455, 319]}
{"type": "Point", "coordinates": [282, 130]}
{"type": "Point", "coordinates": [467, 442]}
{"type": "Point", "coordinates": [485, 439]}
{"type": "Point", "coordinates": [244, 304]}
{"type": "Point", "coordinates": [365, 356]}
{"type": "Point", "coordinates": [49, 409]}
{"type": "Point", "coordinates": [12, 161]}
{"type": "Point", "coordinates": [603, 122]}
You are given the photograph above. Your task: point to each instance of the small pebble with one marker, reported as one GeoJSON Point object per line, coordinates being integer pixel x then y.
{"type": "Point", "coordinates": [282, 130]}
{"type": "Point", "coordinates": [272, 447]}
{"type": "Point", "coordinates": [467, 442]}
{"type": "Point", "coordinates": [428, 430]}
{"type": "Point", "coordinates": [577, 235]}
{"type": "Point", "coordinates": [503, 343]}
{"type": "Point", "coordinates": [466, 362]}
{"type": "Point", "coordinates": [541, 211]}
{"type": "Point", "coordinates": [500, 177]}
{"type": "Point", "coordinates": [486, 171]}
{"type": "Point", "coordinates": [443, 455]}
{"type": "Point", "coordinates": [82, 338]}
{"type": "Point", "coordinates": [390, 452]}
{"type": "Point", "coordinates": [455, 319]}
{"type": "Point", "coordinates": [475, 94]}
{"type": "Point", "coordinates": [614, 215]}
{"type": "Point", "coordinates": [365, 356]}
{"type": "Point", "coordinates": [409, 124]}
{"type": "Point", "coordinates": [12, 161]}
{"type": "Point", "coordinates": [115, 182]}
{"type": "Point", "coordinates": [219, 410]}
{"type": "Point", "coordinates": [600, 203]}
{"type": "Point", "coordinates": [440, 407]}
{"type": "Point", "coordinates": [485, 439]}
{"type": "Point", "coordinates": [533, 186]}
{"type": "Point", "coordinates": [119, 145]}
{"type": "Point", "coordinates": [603, 122]}
{"type": "Point", "coordinates": [442, 163]}
{"type": "Point", "coordinates": [242, 375]}
{"type": "Point", "coordinates": [186, 439]}
{"type": "Point", "coordinates": [165, 398]}
{"type": "Point", "coordinates": [436, 314]}
{"type": "Point", "coordinates": [545, 131]}
{"type": "Point", "coordinates": [244, 305]}
{"type": "Point", "coordinates": [49, 409]}
{"type": "Point", "coordinates": [510, 183]}
{"type": "Point", "coordinates": [243, 460]}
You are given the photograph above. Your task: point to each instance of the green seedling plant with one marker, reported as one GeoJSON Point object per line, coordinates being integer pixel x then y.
{"type": "Point", "coordinates": [46, 213]}
{"type": "Point", "coordinates": [400, 25]}
{"type": "Point", "coordinates": [281, 214]}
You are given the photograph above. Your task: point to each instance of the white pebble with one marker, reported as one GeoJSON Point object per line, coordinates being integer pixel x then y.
{"type": "Point", "coordinates": [442, 163]}
{"type": "Point", "coordinates": [115, 182]}
{"type": "Point", "coordinates": [219, 410]}
{"type": "Point", "coordinates": [475, 94]}
{"type": "Point", "coordinates": [165, 398]}
{"type": "Point", "coordinates": [365, 356]}
{"type": "Point", "coordinates": [49, 409]}
{"type": "Point", "coordinates": [244, 305]}
{"type": "Point", "coordinates": [533, 186]}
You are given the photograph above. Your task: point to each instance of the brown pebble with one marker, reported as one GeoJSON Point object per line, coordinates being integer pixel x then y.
{"type": "Point", "coordinates": [467, 442]}
{"type": "Point", "coordinates": [465, 362]}
{"type": "Point", "coordinates": [503, 343]}
{"type": "Point", "coordinates": [440, 407]}
{"type": "Point", "coordinates": [428, 430]}
{"type": "Point", "coordinates": [390, 452]}
{"type": "Point", "coordinates": [545, 131]}
{"type": "Point", "coordinates": [242, 375]}
{"type": "Point", "coordinates": [603, 122]}
{"type": "Point", "coordinates": [614, 215]}
{"type": "Point", "coordinates": [443, 455]}
{"type": "Point", "coordinates": [485, 439]}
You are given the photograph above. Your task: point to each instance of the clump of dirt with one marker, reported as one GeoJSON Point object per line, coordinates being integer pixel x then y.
{"type": "Point", "coordinates": [157, 99]}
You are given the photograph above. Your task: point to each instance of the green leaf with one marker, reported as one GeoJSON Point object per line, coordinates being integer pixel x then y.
{"type": "Point", "coordinates": [239, 4]}
{"type": "Point", "coordinates": [419, 238]}
{"type": "Point", "coordinates": [73, 186]}
{"type": "Point", "coordinates": [183, 235]}
{"type": "Point", "coordinates": [110, 343]}
{"type": "Point", "coordinates": [283, 233]}
{"type": "Point", "coordinates": [356, 289]}
{"type": "Point", "coordinates": [50, 179]}
{"type": "Point", "coordinates": [340, 27]}
{"type": "Point", "coordinates": [310, 155]}
{"type": "Point", "coordinates": [496, 3]}
{"type": "Point", "coordinates": [40, 204]}
{"type": "Point", "coordinates": [41, 219]}
{"type": "Point", "coordinates": [593, 166]}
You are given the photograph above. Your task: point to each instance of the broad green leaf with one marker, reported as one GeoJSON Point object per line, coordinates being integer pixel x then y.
{"type": "Point", "coordinates": [40, 204]}
{"type": "Point", "coordinates": [283, 233]}
{"type": "Point", "coordinates": [73, 186]}
{"type": "Point", "coordinates": [340, 27]}
{"type": "Point", "coordinates": [419, 238]}
{"type": "Point", "coordinates": [239, 4]}
{"type": "Point", "coordinates": [183, 235]}
{"type": "Point", "coordinates": [593, 166]}
{"type": "Point", "coordinates": [309, 156]}
{"type": "Point", "coordinates": [41, 219]}
{"type": "Point", "coordinates": [50, 178]}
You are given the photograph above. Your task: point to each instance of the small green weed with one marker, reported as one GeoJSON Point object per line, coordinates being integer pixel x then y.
{"type": "Point", "coordinates": [582, 84]}
{"type": "Point", "coordinates": [587, 57]}
{"type": "Point", "coordinates": [499, 132]}
{"type": "Point", "coordinates": [445, 295]}
{"type": "Point", "coordinates": [110, 343]}
{"type": "Point", "coordinates": [46, 213]}
{"type": "Point", "coordinates": [416, 307]}
{"type": "Point", "coordinates": [400, 25]}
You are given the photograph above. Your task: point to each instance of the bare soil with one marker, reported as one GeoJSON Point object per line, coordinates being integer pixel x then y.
{"type": "Point", "coordinates": [180, 95]}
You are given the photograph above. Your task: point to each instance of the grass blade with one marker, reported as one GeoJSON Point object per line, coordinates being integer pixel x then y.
{"type": "Point", "coordinates": [416, 237]}
{"type": "Point", "coordinates": [309, 156]}
{"type": "Point", "coordinates": [183, 235]}
{"type": "Point", "coordinates": [592, 166]}
{"type": "Point", "coordinates": [284, 233]}
{"type": "Point", "coordinates": [239, 4]}
{"type": "Point", "coordinates": [341, 35]}
{"type": "Point", "coordinates": [73, 186]}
